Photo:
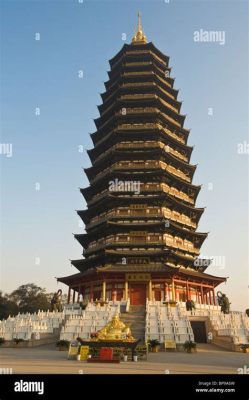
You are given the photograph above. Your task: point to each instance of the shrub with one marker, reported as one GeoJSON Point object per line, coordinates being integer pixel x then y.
{"type": "Point", "coordinates": [189, 345]}
{"type": "Point", "coordinates": [154, 343]}
{"type": "Point", "coordinates": [17, 341]}
{"type": "Point", "coordinates": [63, 343]}
{"type": "Point", "coordinates": [2, 341]}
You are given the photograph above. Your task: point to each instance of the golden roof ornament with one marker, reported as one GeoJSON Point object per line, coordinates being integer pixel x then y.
{"type": "Point", "coordinates": [139, 36]}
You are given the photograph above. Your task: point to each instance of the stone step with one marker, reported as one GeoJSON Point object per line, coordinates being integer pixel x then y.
{"type": "Point", "coordinates": [135, 319]}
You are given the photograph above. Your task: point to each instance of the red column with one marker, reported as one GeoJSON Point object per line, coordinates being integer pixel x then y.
{"type": "Point", "coordinates": [208, 298]}
{"type": "Point", "coordinates": [69, 295]}
{"type": "Point", "coordinates": [214, 300]}
{"type": "Point", "coordinates": [78, 296]}
{"type": "Point", "coordinates": [202, 297]}
{"type": "Point", "coordinates": [199, 295]}
{"type": "Point", "coordinates": [188, 294]}
{"type": "Point", "coordinates": [168, 291]}
{"type": "Point", "coordinates": [165, 291]}
{"type": "Point", "coordinates": [73, 295]}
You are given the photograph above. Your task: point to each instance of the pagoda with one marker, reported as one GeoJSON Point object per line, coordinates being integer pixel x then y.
{"type": "Point", "coordinates": [141, 239]}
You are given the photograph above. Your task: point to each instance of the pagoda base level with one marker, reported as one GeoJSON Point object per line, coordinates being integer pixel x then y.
{"type": "Point", "coordinates": [169, 285]}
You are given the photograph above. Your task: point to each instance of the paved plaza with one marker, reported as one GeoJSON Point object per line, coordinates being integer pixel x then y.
{"type": "Point", "coordinates": [209, 359]}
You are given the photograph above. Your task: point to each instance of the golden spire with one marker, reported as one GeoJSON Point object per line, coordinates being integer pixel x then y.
{"type": "Point", "coordinates": [139, 36]}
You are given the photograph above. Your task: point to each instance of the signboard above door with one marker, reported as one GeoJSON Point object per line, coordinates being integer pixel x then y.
{"type": "Point", "coordinates": [137, 277]}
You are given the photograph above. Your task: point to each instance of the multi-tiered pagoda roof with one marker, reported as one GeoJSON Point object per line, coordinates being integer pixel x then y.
{"type": "Point", "coordinates": [141, 200]}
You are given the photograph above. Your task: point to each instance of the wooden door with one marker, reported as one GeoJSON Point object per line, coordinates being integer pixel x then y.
{"type": "Point", "coordinates": [138, 294]}
{"type": "Point", "coordinates": [199, 330]}
{"type": "Point", "coordinates": [157, 294]}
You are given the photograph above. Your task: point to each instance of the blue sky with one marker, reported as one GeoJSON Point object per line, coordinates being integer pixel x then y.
{"type": "Point", "coordinates": [37, 225]}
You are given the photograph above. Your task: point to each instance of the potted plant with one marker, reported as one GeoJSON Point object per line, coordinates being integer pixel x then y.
{"type": "Point", "coordinates": [135, 356]}
{"type": "Point", "coordinates": [63, 345]}
{"type": "Point", "coordinates": [154, 345]}
{"type": "Point", "coordinates": [245, 348]}
{"type": "Point", "coordinates": [93, 352]}
{"type": "Point", "coordinates": [125, 355]}
{"type": "Point", "coordinates": [189, 346]}
{"type": "Point", "coordinates": [94, 335]}
{"type": "Point", "coordinates": [2, 341]}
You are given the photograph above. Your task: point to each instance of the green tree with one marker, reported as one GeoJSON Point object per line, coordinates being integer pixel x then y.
{"type": "Point", "coordinates": [7, 306]}
{"type": "Point", "coordinates": [30, 298]}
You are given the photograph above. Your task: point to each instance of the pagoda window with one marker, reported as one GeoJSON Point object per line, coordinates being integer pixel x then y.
{"type": "Point", "coordinates": [177, 215]}
{"type": "Point", "coordinates": [108, 294]}
{"type": "Point", "coordinates": [157, 286]}
{"type": "Point", "coordinates": [179, 241]}
{"type": "Point", "coordinates": [123, 212]}
{"type": "Point", "coordinates": [138, 238]}
{"type": "Point", "coordinates": [167, 212]}
{"type": "Point", "coordinates": [121, 238]}
{"type": "Point", "coordinates": [169, 239]}
{"type": "Point", "coordinates": [183, 218]}
{"type": "Point", "coordinates": [118, 286]}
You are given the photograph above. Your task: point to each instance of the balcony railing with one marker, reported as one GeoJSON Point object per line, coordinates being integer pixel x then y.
{"type": "Point", "coordinates": [150, 126]}
{"type": "Point", "coordinates": [93, 246]}
{"type": "Point", "coordinates": [172, 134]}
{"type": "Point", "coordinates": [178, 246]}
{"type": "Point", "coordinates": [174, 171]}
{"type": "Point", "coordinates": [151, 144]}
{"type": "Point", "coordinates": [177, 193]}
{"type": "Point", "coordinates": [143, 213]}
{"type": "Point", "coordinates": [138, 96]}
{"type": "Point", "coordinates": [164, 187]}
{"type": "Point", "coordinates": [138, 63]}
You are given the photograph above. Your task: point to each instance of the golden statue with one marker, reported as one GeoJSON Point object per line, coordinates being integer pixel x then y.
{"type": "Point", "coordinates": [115, 330]}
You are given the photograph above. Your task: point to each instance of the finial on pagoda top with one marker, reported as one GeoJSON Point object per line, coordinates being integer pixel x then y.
{"type": "Point", "coordinates": [139, 36]}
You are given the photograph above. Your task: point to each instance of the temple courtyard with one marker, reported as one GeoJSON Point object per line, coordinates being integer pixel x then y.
{"type": "Point", "coordinates": [209, 359]}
